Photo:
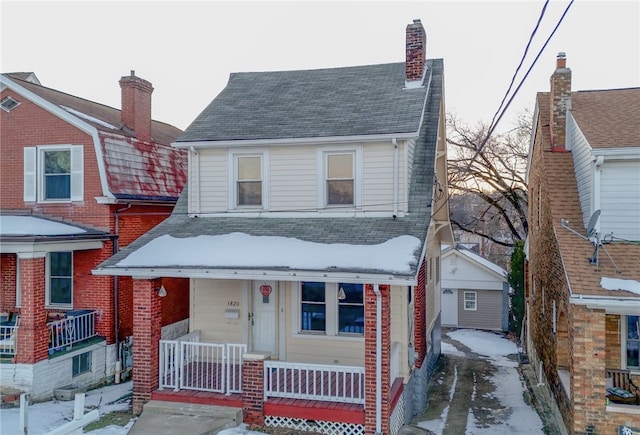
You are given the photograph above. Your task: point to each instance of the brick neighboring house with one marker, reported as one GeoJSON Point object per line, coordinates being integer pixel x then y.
{"type": "Point", "coordinates": [311, 232]}
{"type": "Point", "coordinates": [583, 303]}
{"type": "Point", "coordinates": [79, 180]}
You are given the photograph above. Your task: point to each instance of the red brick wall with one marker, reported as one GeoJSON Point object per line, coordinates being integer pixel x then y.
{"type": "Point", "coordinates": [253, 392]}
{"type": "Point", "coordinates": [420, 326]}
{"type": "Point", "coordinates": [8, 282]}
{"type": "Point", "coordinates": [33, 335]}
{"type": "Point", "coordinates": [146, 324]}
{"type": "Point", "coordinates": [370, 352]}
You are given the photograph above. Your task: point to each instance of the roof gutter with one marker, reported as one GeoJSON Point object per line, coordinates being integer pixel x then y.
{"type": "Point", "coordinates": [294, 141]}
{"type": "Point", "coordinates": [252, 274]}
{"type": "Point", "coordinates": [619, 305]}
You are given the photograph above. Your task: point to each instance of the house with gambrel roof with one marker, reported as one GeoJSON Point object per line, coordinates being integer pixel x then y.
{"type": "Point", "coordinates": [310, 231]}
{"type": "Point", "coordinates": [79, 180]}
{"type": "Point", "coordinates": [583, 267]}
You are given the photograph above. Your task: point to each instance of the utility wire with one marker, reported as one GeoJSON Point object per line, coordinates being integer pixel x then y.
{"type": "Point", "coordinates": [493, 127]}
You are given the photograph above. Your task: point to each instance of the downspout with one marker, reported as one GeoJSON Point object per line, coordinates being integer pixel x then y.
{"type": "Point", "coordinates": [394, 141]}
{"type": "Point", "coordinates": [196, 171]}
{"type": "Point", "coordinates": [376, 290]}
{"type": "Point", "coordinates": [116, 320]}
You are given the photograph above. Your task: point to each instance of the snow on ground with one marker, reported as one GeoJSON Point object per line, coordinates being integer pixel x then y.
{"type": "Point", "coordinates": [449, 349]}
{"type": "Point", "coordinates": [46, 416]}
{"type": "Point", "coordinates": [509, 387]}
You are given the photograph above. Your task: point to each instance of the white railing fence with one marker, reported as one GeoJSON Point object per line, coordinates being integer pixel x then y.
{"type": "Point", "coordinates": [8, 337]}
{"type": "Point", "coordinates": [186, 363]}
{"type": "Point", "coordinates": [314, 381]}
{"type": "Point", "coordinates": [72, 329]}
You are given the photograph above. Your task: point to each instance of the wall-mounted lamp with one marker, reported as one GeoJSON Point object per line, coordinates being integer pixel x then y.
{"type": "Point", "coordinates": [162, 292]}
{"type": "Point", "coordinates": [341, 294]}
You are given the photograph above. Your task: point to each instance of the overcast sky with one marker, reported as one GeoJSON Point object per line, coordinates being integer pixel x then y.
{"type": "Point", "coordinates": [188, 49]}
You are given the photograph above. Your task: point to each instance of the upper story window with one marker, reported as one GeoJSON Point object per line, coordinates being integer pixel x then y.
{"type": "Point", "coordinates": [249, 180]}
{"type": "Point", "coordinates": [54, 173]}
{"type": "Point", "coordinates": [60, 279]}
{"type": "Point", "coordinates": [341, 182]}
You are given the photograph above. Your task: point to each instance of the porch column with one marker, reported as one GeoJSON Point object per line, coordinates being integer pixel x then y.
{"type": "Point", "coordinates": [33, 336]}
{"type": "Point", "coordinates": [253, 389]}
{"type": "Point", "coordinates": [588, 341]}
{"type": "Point", "coordinates": [147, 322]}
{"type": "Point", "coordinates": [370, 351]}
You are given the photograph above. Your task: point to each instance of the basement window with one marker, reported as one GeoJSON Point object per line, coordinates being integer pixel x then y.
{"type": "Point", "coordinates": [8, 104]}
{"type": "Point", "coordinates": [81, 363]}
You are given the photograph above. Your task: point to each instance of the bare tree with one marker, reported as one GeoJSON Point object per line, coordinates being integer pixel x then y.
{"type": "Point", "coordinates": [487, 183]}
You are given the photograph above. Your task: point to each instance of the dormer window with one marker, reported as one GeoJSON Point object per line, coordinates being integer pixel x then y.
{"type": "Point", "coordinates": [9, 103]}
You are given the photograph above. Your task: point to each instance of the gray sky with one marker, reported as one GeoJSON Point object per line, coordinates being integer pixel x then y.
{"type": "Point", "coordinates": [188, 49]}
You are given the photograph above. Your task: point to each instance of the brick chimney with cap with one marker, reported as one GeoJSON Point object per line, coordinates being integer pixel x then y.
{"type": "Point", "coordinates": [136, 105]}
{"type": "Point", "coordinates": [560, 102]}
{"type": "Point", "coordinates": [416, 53]}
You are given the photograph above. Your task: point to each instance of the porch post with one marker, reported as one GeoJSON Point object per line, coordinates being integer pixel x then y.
{"type": "Point", "coordinates": [253, 388]}
{"type": "Point", "coordinates": [588, 343]}
{"type": "Point", "coordinates": [370, 359]}
{"type": "Point", "coordinates": [147, 322]}
{"type": "Point", "coordinates": [420, 315]}
{"type": "Point", "coordinates": [32, 338]}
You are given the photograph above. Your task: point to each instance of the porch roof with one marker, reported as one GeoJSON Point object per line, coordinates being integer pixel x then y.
{"type": "Point", "coordinates": [368, 233]}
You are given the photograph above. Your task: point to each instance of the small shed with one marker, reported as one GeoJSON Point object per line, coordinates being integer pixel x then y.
{"type": "Point", "coordinates": [475, 291]}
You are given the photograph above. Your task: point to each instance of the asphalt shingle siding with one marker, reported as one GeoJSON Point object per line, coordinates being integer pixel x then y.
{"type": "Point", "coordinates": [349, 230]}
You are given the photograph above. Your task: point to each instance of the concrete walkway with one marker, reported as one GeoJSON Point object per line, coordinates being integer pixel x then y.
{"type": "Point", "coordinates": [159, 418]}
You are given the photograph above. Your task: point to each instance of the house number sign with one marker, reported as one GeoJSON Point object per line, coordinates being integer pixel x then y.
{"type": "Point", "coordinates": [233, 303]}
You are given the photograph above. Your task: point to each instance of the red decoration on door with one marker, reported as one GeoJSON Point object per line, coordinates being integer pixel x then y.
{"type": "Point", "coordinates": [265, 290]}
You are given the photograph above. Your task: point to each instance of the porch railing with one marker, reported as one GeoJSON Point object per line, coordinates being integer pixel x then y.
{"type": "Point", "coordinates": [314, 382]}
{"type": "Point", "coordinates": [72, 329]}
{"type": "Point", "coordinates": [8, 337]}
{"type": "Point", "coordinates": [186, 363]}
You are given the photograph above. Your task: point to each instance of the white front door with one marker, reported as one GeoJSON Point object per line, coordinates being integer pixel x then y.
{"type": "Point", "coordinates": [264, 319]}
{"type": "Point", "coordinates": [449, 307]}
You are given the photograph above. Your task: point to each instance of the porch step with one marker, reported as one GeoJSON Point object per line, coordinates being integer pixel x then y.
{"type": "Point", "coordinates": [172, 417]}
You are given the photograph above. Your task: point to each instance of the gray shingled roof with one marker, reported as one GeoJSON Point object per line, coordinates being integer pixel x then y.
{"type": "Point", "coordinates": [360, 231]}
{"type": "Point", "coordinates": [351, 101]}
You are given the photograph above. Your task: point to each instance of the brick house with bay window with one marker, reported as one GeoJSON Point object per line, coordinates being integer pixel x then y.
{"type": "Point", "coordinates": [79, 180]}
{"type": "Point", "coordinates": [310, 231]}
{"type": "Point", "coordinates": [583, 267]}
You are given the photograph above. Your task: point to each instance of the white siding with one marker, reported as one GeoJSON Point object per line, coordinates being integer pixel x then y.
{"type": "Point", "coordinates": [581, 153]}
{"type": "Point", "coordinates": [293, 178]}
{"type": "Point", "coordinates": [620, 199]}
{"type": "Point", "coordinates": [213, 180]}
{"type": "Point", "coordinates": [209, 299]}
{"type": "Point", "coordinates": [400, 325]}
{"type": "Point", "coordinates": [458, 272]}
{"type": "Point", "coordinates": [378, 177]}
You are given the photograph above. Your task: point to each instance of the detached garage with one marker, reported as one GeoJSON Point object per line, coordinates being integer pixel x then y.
{"type": "Point", "coordinates": [475, 291]}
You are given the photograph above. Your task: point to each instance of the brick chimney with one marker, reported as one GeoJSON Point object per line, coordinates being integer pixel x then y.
{"type": "Point", "coordinates": [416, 53]}
{"type": "Point", "coordinates": [136, 105]}
{"type": "Point", "coordinates": [560, 101]}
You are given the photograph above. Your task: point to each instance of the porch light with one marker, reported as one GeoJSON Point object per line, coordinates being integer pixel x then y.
{"type": "Point", "coordinates": [341, 294]}
{"type": "Point", "coordinates": [162, 292]}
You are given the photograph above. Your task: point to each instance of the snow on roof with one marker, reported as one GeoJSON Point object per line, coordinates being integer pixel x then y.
{"type": "Point", "coordinates": [244, 250]}
{"type": "Point", "coordinates": [32, 226]}
{"type": "Point", "coordinates": [629, 285]}
{"type": "Point", "coordinates": [89, 118]}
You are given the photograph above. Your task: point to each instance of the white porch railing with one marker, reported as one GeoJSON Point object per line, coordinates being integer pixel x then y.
{"type": "Point", "coordinates": [72, 329]}
{"type": "Point", "coordinates": [314, 382]}
{"type": "Point", "coordinates": [8, 337]}
{"type": "Point", "coordinates": [186, 363]}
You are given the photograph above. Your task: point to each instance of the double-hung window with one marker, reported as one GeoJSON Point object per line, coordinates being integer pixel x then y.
{"type": "Point", "coordinates": [632, 341]}
{"type": "Point", "coordinates": [248, 178]}
{"type": "Point", "coordinates": [340, 179]}
{"type": "Point", "coordinates": [60, 279]}
{"type": "Point", "coordinates": [54, 173]}
{"type": "Point", "coordinates": [332, 308]}
{"type": "Point", "coordinates": [470, 301]}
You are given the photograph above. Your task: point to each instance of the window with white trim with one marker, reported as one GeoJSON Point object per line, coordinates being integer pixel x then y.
{"type": "Point", "coordinates": [248, 178]}
{"type": "Point", "coordinates": [60, 279]}
{"type": "Point", "coordinates": [470, 301]}
{"type": "Point", "coordinates": [332, 308]}
{"type": "Point", "coordinates": [631, 341]}
{"type": "Point", "coordinates": [340, 180]}
{"type": "Point", "coordinates": [54, 173]}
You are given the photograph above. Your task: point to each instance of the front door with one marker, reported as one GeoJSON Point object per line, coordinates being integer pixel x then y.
{"type": "Point", "coordinates": [449, 307]}
{"type": "Point", "coordinates": [264, 322]}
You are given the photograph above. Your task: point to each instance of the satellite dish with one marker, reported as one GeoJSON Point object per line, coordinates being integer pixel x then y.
{"type": "Point", "coordinates": [591, 228]}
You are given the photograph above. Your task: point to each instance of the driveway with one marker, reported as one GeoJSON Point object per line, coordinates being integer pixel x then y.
{"type": "Point", "coordinates": [477, 389]}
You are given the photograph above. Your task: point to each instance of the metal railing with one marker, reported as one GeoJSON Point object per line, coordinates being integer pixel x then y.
{"type": "Point", "coordinates": [314, 382]}
{"type": "Point", "coordinates": [8, 338]}
{"type": "Point", "coordinates": [72, 329]}
{"type": "Point", "coordinates": [186, 363]}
